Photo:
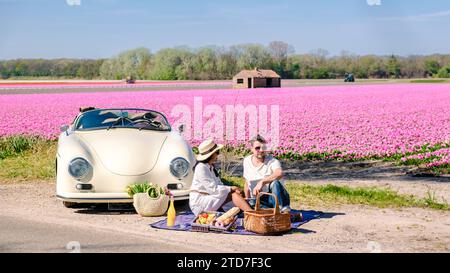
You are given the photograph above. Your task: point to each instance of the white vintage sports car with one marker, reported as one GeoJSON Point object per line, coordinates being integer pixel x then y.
{"type": "Point", "coordinates": [105, 150]}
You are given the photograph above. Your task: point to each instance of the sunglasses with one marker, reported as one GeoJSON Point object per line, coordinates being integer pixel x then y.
{"type": "Point", "coordinates": [258, 148]}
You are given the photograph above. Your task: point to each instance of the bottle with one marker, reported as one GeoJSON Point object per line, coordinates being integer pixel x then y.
{"type": "Point", "coordinates": [171, 213]}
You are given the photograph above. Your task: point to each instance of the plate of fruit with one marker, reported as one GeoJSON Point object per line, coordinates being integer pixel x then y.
{"type": "Point", "coordinates": [203, 221]}
{"type": "Point", "coordinates": [215, 221]}
{"type": "Point", "coordinates": [206, 218]}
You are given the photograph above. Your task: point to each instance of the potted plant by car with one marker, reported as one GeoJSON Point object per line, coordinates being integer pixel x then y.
{"type": "Point", "coordinates": [149, 199]}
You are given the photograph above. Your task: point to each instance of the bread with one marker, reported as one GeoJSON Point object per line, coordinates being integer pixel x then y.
{"type": "Point", "coordinates": [228, 216]}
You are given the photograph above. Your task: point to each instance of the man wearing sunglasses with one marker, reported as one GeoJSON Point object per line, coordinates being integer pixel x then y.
{"type": "Point", "coordinates": [263, 173]}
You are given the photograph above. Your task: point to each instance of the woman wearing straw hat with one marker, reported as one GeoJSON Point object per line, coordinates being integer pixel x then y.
{"type": "Point", "coordinates": [208, 193]}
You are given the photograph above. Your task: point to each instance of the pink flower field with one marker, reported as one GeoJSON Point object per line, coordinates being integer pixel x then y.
{"type": "Point", "coordinates": [107, 84]}
{"type": "Point", "coordinates": [359, 121]}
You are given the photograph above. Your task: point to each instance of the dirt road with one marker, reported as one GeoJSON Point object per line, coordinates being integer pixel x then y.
{"type": "Point", "coordinates": [115, 86]}
{"type": "Point", "coordinates": [32, 220]}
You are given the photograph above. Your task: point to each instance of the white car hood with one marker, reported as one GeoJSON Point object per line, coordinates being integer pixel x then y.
{"type": "Point", "coordinates": [125, 151]}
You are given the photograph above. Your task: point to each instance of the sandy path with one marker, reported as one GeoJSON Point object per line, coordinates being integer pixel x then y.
{"type": "Point", "coordinates": [342, 229]}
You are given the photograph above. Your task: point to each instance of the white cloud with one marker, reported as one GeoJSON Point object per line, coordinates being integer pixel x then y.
{"type": "Point", "coordinates": [374, 2]}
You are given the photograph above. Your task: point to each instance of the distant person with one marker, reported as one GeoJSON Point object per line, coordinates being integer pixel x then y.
{"type": "Point", "coordinates": [263, 173]}
{"type": "Point", "coordinates": [130, 80]}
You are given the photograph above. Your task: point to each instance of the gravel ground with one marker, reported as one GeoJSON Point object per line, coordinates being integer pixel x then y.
{"type": "Point", "coordinates": [33, 220]}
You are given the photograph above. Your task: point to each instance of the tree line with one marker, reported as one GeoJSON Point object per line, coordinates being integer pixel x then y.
{"type": "Point", "coordinates": [56, 68]}
{"type": "Point", "coordinates": [222, 63]}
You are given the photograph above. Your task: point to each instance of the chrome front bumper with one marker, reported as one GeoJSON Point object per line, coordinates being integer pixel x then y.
{"type": "Point", "coordinates": [93, 197]}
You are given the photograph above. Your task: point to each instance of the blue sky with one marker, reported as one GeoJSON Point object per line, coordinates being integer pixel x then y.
{"type": "Point", "coordinates": [103, 28]}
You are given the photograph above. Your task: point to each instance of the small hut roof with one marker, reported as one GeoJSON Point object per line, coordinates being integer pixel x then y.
{"type": "Point", "coordinates": [257, 73]}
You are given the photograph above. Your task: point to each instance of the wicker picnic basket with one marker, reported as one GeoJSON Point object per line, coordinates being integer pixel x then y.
{"type": "Point", "coordinates": [147, 206]}
{"type": "Point", "coordinates": [267, 221]}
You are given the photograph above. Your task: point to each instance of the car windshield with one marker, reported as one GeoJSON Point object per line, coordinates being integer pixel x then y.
{"type": "Point", "coordinates": [122, 118]}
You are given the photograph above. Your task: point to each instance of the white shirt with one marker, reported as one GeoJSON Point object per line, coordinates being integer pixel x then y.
{"type": "Point", "coordinates": [253, 174]}
{"type": "Point", "coordinates": [205, 181]}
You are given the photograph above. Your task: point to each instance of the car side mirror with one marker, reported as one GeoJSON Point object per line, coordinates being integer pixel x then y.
{"type": "Point", "coordinates": [64, 128]}
{"type": "Point", "coordinates": [181, 128]}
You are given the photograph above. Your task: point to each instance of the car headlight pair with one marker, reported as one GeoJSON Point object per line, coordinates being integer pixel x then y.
{"type": "Point", "coordinates": [79, 168]}
{"type": "Point", "coordinates": [179, 167]}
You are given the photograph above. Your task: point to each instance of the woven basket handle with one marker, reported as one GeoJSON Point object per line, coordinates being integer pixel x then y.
{"type": "Point", "coordinates": [276, 210]}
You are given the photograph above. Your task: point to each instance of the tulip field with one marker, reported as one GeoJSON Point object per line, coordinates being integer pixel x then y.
{"type": "Point", "coordinates": [106, 84]}
{"type": "Point", "coordinates": [410, 122]}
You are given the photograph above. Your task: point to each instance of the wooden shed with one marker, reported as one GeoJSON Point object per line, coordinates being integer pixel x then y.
{"type": "Point", "coordinates": [256, 78]}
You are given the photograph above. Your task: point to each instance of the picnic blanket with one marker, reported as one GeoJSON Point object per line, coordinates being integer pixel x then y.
{"type": "Point", "coordinates": [184, 220]}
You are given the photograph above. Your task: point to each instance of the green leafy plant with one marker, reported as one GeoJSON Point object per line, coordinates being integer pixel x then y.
{"type": "Point", "coordinates": [153, 190]}
{"type": "Point", "coordinates": [330, 194]}
{"type": "Point", "coordinates": [16, 145]}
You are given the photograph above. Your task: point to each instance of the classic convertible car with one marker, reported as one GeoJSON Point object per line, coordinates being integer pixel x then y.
{"type": "Point", "coordinates": [105, 150]}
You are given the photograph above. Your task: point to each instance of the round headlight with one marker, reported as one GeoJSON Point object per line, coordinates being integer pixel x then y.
{"type": "Point", "coordinates": [179, 167]}
{"type": "Point", "coordinates": [79, 168]}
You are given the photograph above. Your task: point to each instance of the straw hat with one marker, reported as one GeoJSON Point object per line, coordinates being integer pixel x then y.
{"type": "Point", "coordinates": [207, 148]}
